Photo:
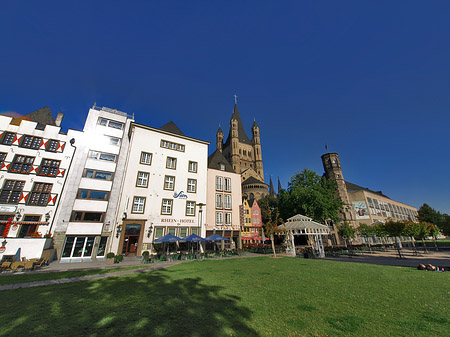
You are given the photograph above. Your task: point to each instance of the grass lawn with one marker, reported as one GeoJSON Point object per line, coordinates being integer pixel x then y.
{"type": "Point", "coordinates": [36, 276]}
{"type": "Point", "coordinates": [258, 296]}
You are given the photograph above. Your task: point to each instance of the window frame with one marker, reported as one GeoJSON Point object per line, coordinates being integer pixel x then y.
{"type": "Point", "coordinates": [89, 191]}
{"type": "Point", "coordinates": [219, 197]}
{"type": "Point", "coordinates": [194, 163]}
{"type": "Point", "coordinates": [49, 167]}
{"type": "Point", "coordinates": [22, 164]}
{"type": "Point", "coordinates": [194, 183]}
{"type": "Point", "coordinates": [167, 163]}
{"type": "Point", "coordinates": [170, 205]}
{"type": "Point", "coordinates": [108, 122]}
{"type": "Point", "coordinates": [134, 204]}
{"type": "Point", "coordinates": [94, 172]}
{"type": "Point", "coordinates": [219, 216]}
{"type": "Point", "coordinates": [12, 192]}
{"type": "Point", "coordinates": [190, 202]}
{"type": "Point", "coordinates": [44, 192]}
{"type": "Point", "coordinates": [33, 140]}
{"type": "Point", "coordinates": [219, 187]}
{"type": "Point", "coordinates": [225, 204]}
{"type": "Point", "coordinates": [146, 181]}
{"type": "Point", "coordinates": [7, 136]}
{"type": "Point", "coordinates": [50, 145]}
{"type": "Point", "coordinates": [165, 183]}
{"type": "Point", "coordinates": [99, 155]}
{"type": "Point", "coordinates": [227, 184]}
{"type": "Point", "coordinates": [141, 161]}
{"type": "Point", "coordinates": [83, 215]}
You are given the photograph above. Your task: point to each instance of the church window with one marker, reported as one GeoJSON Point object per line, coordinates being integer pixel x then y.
{"type": "Point", "coordinates": [245, 153]}
{"type": "Point", "coordinates": [240, 152]}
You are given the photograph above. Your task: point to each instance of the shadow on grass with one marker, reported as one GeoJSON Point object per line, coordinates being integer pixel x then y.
{"type": "Point", "coordinates": [149, 304]}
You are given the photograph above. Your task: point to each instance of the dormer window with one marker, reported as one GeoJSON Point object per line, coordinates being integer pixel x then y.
{"type": "Point", "coordinates": [222, 167]}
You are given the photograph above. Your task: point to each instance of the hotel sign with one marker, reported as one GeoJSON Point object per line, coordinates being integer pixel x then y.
{"type": "Point", "coordinates": [180, 195]}
{"type": "Point", "coordinates": [180, 221]}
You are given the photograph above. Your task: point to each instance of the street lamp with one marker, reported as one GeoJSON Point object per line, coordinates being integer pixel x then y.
{"type": "Point", "coordinates": [200, 211]}
{"type": "Point", "coordinates": [119, 230]}
{"type": "Point", "coordinates": [150, 230]}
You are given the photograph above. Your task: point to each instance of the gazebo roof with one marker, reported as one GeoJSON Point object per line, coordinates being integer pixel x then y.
{"type": "Point", "coordinates": [301, 224]}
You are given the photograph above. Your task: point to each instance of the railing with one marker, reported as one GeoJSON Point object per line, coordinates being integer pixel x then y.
{"type": "Point", "coordinates": [113, 111]}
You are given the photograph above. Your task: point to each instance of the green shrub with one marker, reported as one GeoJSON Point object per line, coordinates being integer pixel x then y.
{"type": "Point", "coordinates": [145, 254]}
{"type": "Point", "coordinates": [118, 258]}
{"type": "Point", "coordinates": [110, 255]}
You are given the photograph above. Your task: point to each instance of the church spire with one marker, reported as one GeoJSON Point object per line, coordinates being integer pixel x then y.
{"type": "Point", "coordinates": [271, 189]}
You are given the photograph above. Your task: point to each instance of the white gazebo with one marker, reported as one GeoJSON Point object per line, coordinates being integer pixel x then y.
{"type": "Point", "coordinates": [302, 225]}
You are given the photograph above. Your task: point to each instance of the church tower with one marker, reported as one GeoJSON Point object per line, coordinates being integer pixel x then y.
{"type": "Point", "coordinates": [244, 155]}
{"type": "Point", "coordinates": [333, 171]}
{"type": "Point", "coordinates": [257, 149]}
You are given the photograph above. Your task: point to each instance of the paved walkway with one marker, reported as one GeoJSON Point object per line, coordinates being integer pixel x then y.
{"type": "Point", "coordinates": [55, 266]}
{"type": "Point", "coordinates": [390, 258]}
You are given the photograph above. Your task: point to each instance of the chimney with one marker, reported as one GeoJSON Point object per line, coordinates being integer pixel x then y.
{"type": "Point", "coordinates": [59, 119]}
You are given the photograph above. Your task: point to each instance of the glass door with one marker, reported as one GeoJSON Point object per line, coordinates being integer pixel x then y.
{"type": "Point", "coordinates": [131, 239]}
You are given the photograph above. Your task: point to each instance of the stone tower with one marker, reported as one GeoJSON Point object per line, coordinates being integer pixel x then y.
{"type": "Point", "coordinates": [333, 171]}
{"type": "Point", "coordinates": [244, 155]}
{"type": "Point", "coordinates": [219, 139]}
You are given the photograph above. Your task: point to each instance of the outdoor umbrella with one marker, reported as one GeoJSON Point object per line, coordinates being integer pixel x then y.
{"type": "Point", "coordinates": [193, 238]}
{"type": "Point", "coordinates": [167, 238]}
{"type": "Point", "coordinates": [215, 237]}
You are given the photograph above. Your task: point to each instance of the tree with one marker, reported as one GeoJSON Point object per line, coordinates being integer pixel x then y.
{"type": "Point", "coordinates": [366, 231]}
{"type": "Point", "coordinates": [412, 229]}
{"type": "Point", "coordinates": [271, 226]}
{"type": "Point", "coordinates": [347, 232]}
{"type": "Point", "coordinates": [396, 229]}
{"type": "Point", "coordinates": [429, 214]}
{"type": "Point", "coordinates": [381, 232]}
{"type": "Point", "coordinates": [434, 232]}
{"type": "Point", "coordinates": [311, 195]}
{"type": "Point", "coordinates": [424, 231]}
{"type": "Point", "coordinates": [269, 202]}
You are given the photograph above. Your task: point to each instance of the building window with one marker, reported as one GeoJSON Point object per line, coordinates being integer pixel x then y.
{"type": "Point", "coordinates": [192, 185]}
{"type": "Point", "coordinates": [78, 246]}
{"type": "Point", "coordinates": [138, 205]}
{"type": "Point", "coordinates": [2, 158]}
{"type": "Point", "coordinates": [11, 191]}
{"type": "Point", "coordinates": [219, 218]}
{"type": "Point", "coordinates": [227, 201]}
{"type": "Point", "coordinates": [192, 166]}
{"type": "Point", "coordinates": [49, 167]}
{"type": "Point", "coordinates": [93, 195]}
{"type": "Point", "coordinates": [219, 183]}
{"type": "Point", "coordinates": [219, 201]}
{"type": "Point", "coordinates": [146, 158]}
{"type": "Point", "coordinates": [183, 232]}
{"type": "Point", "coordinates": [166, 208]}
{"type": "Point", "coordinates": [102, 156]}
{"type": "Point", "coordinates": [113, 140]}
{"type": "Point", "coordinates": [171, 163]}
{"type": "Point", "coordinates": [52, 145]}
{"type": "Point", "coordinates": [40, 194]}
{"type": "Point", "coordinates": [169, 183]}
{"type": "Point", "coordinates": [8, 138]}
{"type": "Point", "coordinates": [228, 219]}
{"type": "Point", "coordinates": [109, 123]}
{"type": "Point", "coordinates": [21, 164]}
{"type": "Point", "coordinates": [80, 216]}
{"type": "Point", "coordinates": [95, 174]}
{"type": "Point", "coordinates": [31, 142]}
{"type": "Point", "coordinates": [142, 179]}
{"type": "Point", "coordinates": [159, 232]}
{"type": "Point", "coordinates": [227, 184]}
{"type": "Point", "coordinates": [171, 145]}
{"type": "Point", "coordinates": [190, 208]}
{"type": "Point", "coordinates": [222, 167]}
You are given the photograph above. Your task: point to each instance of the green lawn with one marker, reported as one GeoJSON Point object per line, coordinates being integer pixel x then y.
{"type": "Point", "coordinates": [239, 297]}
{"type": "Point", "coordinates": [7, 278]}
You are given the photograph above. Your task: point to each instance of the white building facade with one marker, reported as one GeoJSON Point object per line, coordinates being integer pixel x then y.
{"type": "Point", "coordinates": [34, 161]}
{"type": "Point", "coordinates": [164, 184]}
{"type": "Point", "coordinates": [85, 219]}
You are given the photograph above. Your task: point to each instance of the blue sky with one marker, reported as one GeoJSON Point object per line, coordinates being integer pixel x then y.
{"type": "Point", "coordinates": [368, 78]}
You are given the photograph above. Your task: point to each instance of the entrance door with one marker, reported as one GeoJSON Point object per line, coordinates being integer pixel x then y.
{"type": "Point", "coordinates": [131, 239]}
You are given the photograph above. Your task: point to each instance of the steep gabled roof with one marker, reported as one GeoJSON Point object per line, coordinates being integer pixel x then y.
{"type": "Point", "coordinates": [172, 128]}
{"type": "Point", "coordinates": [41, 116]}
{"type": "Point", "coordinates": [216, 159]}
{"type": "Point", "coordinates": [242, 136]}
{"type": "Point", "coordinates": [354, 188]}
